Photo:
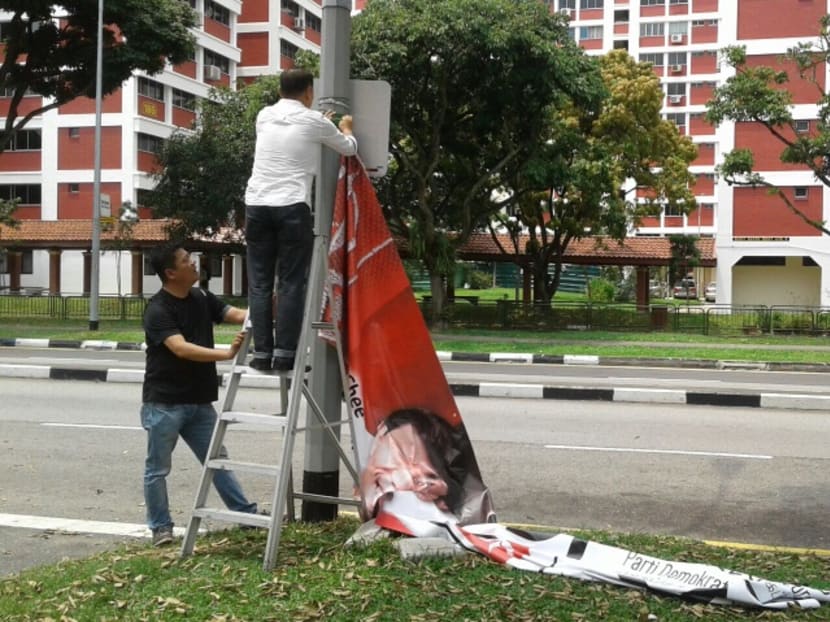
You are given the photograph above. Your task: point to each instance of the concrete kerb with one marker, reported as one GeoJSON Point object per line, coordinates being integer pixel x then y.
{"type": "Point", "coordinates": [484, 389]}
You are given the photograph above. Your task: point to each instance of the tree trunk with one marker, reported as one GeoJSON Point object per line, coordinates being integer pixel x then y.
{"type": "Point", "coordinates": [439, 299]}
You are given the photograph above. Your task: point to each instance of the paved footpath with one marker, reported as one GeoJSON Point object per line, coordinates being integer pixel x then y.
{"type": "Point", "coordinates": [738, 398]}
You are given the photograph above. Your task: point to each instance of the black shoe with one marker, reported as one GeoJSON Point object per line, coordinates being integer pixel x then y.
{"type": "Point", "coordinates": [260, 364]}
{"type": "Point", "coordinates": [259, 512]}
{"type": "Point", "coordinates": [283, 363]}
{"type": "Point", "coordinates": [286, 364]}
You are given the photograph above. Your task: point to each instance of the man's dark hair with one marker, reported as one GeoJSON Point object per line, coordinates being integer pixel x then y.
{"type": "Point", "coordinates": [448, 448]}
{"type": "Point", "coordinates": [164, 258]}
{"type": "Point", "coordinates": [294, 82]}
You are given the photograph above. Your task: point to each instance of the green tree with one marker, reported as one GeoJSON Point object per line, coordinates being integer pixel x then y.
{"type": "Point", "coordinates": [760, 94]}
{"type": "Point", "coordinates": [203, 173]}
{"type": "Point", "coordinates": [685, 255]}
{"type": "Point", "coordinates": [472, 83]}
{"type": "Point", "coordinates": [574, 184]}
{"type": "Point", "coordinates": [122, 240]}
{"type": "Point", "coordinates": [56, 58]}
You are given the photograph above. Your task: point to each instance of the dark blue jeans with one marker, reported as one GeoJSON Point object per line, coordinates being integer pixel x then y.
{"type": "Point", "coordinates": [280, 240]}
{"type": "Point", "coordinates": [194, 423]}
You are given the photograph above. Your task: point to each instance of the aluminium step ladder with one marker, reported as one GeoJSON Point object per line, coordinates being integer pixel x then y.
{"type": "Point", "coordinates": [285, 421]}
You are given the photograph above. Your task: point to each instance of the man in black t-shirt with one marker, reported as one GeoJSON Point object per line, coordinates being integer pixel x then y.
{"type": "Point", "coordinates": [180, 382]}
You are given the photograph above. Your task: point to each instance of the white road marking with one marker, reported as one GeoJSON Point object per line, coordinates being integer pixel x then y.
{"type": "Point", "coordinates": [91, 425]}
{"type": "Point", "coordinates": [677, 452]}
{"type": "Point", "coordinates": [73, 525]}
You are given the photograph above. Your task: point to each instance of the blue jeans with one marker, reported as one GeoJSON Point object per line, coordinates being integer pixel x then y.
{"type": "Point", "coordinates": [279, 240]}
{"type": "Point", "coordinates": [194, 422]}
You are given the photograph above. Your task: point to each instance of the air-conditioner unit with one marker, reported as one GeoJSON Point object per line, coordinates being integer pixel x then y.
{"type": "Point", "coordinates": [675, 99]}
{"type": "Point", "coordinates": [676, 68]}
{"type": "Point", "coordinates": [676, 38]}
{"type": "Point", "coordinates": [299, 23]}
{"type": "Point", "coordinates": [565, 11]}
{"type": "Point", "coordinates": [200, 17]}
{"type": "Point", "coordinates": [213, 73]}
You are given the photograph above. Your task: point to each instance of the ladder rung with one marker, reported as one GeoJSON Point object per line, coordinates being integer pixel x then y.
{"type": "Point", "coordinates": [271, 421]}
{"type": "Point", "coordinates": [307, 496]}
{"type": "Point", "coordinates": [221, 464]}
{"type": "Point", "coordinates": [229, 516]}
{"type": "Point", "coordinates": [322, 325]}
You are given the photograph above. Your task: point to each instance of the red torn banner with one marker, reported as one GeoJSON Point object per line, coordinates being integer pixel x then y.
{"type": "Point", "coordinates": [411, 441]}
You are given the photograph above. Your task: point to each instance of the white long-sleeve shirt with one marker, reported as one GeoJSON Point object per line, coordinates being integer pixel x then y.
{"type": "Point", "coordinates": [287, 155]}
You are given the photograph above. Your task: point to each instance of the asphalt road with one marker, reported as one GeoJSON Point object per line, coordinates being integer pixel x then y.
{"type": "Point", "coordinates": [74, 449]}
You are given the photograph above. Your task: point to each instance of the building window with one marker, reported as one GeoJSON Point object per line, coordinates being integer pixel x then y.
{"type": "Point", "coordinates": [217, 13]}
{"type": "Point", "coordinates": [567, 4]}
{"type": "Point", "coordinates": [678, 118]}
{"type": "Point", "coordinates": [655, 59]}
{"type": "Point", "coordinates": [151, 88]}
{"type": "Point", "coordinates": [652, 29]}
{"type": "Point", "coordinates": [74, 132]}
{"type": "Point", "coordinates": [673, 210]}
{"type": "Point", "coordinates": [590, 4]}
{"type": "Point", "coordinates": [217, 60]}
{"type": "Point", "coordinates": [74, 188]}
{"type": "Point", "coordinates": [621, 17]}
{"type": "Point", "coordinates": [678, 28]}
{"type": "Point", "coordinates": [312, 22]}
{"type": "Point", "coordinates": [292, 8]}
{"type": "Point", "coordinates": [678, 1]}
{"type": "Point", "coordinates": [800, 193]}
{"type": "Point", "coordinates": [26, 140]}
{"type": "Point", "coordinates": [621, 44]}
{"type": "Point", "coordinates": [590, 32]}
{"type": "Point", "coordinates": [802, 126]}
{"type": "Point", "coordinates": [677, 58]}
{"type": "Point", "coordinates": [652, 2]}
{"type": "Point", "coordinates": [150, 143]}
{"type": "Point", "coordinates": [183, 99]}
{"type": "Point", "coordinates": [142, 198]}
{"type": "Point", "coordinates": [288, 49]}
{"type": "Point", "coordinates": [676, 88]}
{"type": "Point", "coordinates": [27, 194]}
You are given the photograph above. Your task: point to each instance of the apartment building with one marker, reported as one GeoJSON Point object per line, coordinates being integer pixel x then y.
{"type": "Point", "coordinates": [765, 254]}
{"type": "Point", "coordinates": [50, 166]}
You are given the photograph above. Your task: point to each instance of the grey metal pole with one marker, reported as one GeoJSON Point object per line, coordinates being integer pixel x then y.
{"type": "Point", "coordinates": [321, 474]}
{"type": "Point", "coordinates": [96, 191]}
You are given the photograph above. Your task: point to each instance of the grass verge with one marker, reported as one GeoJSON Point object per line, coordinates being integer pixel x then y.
{"type": "Point", "coordinates": [317, 578]}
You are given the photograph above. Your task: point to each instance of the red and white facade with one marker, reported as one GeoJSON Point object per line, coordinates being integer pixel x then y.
{"type": "Point", "coordinates": [765, 254]}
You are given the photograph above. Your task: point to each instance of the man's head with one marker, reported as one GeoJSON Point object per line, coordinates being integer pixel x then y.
{"type": "Point", "coordinates": [171, 262]}
{"type": "Point", "coordinates": [297, 84]}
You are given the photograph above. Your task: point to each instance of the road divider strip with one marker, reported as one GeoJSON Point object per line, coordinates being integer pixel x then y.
{"type": "Point", "coordinates": [786, 401]}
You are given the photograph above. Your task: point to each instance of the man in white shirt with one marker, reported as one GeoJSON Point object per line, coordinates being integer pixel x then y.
{"type": "Point", "coordinates": [279, 227]}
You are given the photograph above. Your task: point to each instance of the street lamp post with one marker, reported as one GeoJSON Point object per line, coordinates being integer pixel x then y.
{"type": "Point", "coordinates": [96, 191]}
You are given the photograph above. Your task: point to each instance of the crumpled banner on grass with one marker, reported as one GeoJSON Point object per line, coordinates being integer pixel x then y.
{"type": "Point", "coordinates": [391, 364]}
{"type": "Point", "coordinates": [568, 556]}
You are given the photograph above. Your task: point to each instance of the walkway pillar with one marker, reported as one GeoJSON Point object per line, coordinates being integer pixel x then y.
{"type": "Point", "coordinates": [227, 275]}
{"type": "Point", "coordinates": [642, 288]}
{"type": "Point", "coordinates": [87, 273]}
{"type": "Point", "coordinates": [55, 271]}
{"type": "Point", "coordinates": [136, 272]}
{"type": "Point", "coordinates": [15, 261]}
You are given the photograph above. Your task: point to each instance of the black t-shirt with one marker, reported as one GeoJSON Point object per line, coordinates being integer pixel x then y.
{"type": "Point", "coordinates": [169, 379]}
